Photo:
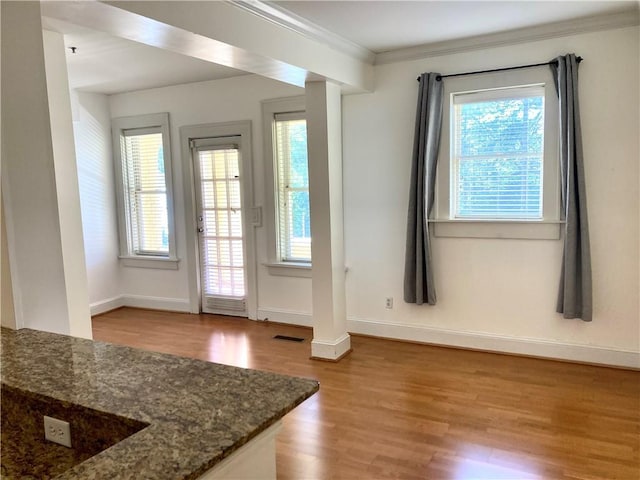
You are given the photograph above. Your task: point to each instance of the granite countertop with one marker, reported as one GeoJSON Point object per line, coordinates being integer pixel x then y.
{"type": "Point", "coordinates": [197, 412]}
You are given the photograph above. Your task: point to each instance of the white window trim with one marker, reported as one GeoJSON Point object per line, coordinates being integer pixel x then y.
{"type": "Point", "coordinates": [547, 228]}
{"type": "Point", "coordinates": [118, 127]}
{"type": "Point", "coordinates": [269, 109]}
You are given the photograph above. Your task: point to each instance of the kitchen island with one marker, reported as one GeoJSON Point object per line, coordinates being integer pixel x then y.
{"type": "Point", "coordinates": [136, 414]}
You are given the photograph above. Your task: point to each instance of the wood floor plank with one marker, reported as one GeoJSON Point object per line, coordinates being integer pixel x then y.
{"type": "Point", "coordinates": [393, 410]}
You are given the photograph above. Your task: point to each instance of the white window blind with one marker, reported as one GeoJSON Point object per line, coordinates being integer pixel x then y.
{"type": "Point", "coordinates": [145, 191]}
{"type": "Point", "coordinates": [221, 244]}
{"type": "Point", "coordinates": [497, 153]}
{"type": "Point", "coordinates": [292, 179]}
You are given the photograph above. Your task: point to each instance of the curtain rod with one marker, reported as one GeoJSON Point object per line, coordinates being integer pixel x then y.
{"type": "Point", "coordinates": [440, 77]}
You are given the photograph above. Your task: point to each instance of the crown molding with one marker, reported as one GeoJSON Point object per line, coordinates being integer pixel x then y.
{"type": "Point", "coordinates": [286, 19]}
{"type": "Point", "coordinates": [511, 37]}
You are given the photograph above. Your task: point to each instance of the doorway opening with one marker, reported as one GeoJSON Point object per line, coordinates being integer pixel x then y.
{"type": "Point", "coordinates": [220, 217]}
{"type": "Point", "coordinates": [219, 213]}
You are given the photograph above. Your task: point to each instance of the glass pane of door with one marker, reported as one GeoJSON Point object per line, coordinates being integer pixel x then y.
{"type": "Point", "coordinates": [222, 269]}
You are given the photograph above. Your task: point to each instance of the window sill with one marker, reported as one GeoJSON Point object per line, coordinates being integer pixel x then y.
{"type": "Point", "coordinates": [507, 229]}
{"type": "Point", "coordinates": [163, 263]}
{"type": "Point", "coordinates": [289, 269]}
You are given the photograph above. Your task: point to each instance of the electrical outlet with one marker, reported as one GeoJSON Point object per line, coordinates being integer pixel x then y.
{"type": "Point", "coordinates": [57, 431]}
{"type": "Point", "coordinates": [388, 302]}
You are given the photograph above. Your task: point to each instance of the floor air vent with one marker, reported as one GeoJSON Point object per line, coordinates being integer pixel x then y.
{"type": "Point", "coordinates": [290, 339]}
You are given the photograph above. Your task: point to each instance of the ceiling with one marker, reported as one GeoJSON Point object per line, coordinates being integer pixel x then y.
{"type": "Point", "coordinates": [106, 64]}
{"type": "Point", "coordinates": [381, 26]}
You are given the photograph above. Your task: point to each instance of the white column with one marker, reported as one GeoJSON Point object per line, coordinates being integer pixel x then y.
{"type": "Point", "coordinates": [324, 143]}
{"type": "Point", "coordinates": [29, 189]}
{"type": "Point", "coordinates": [68, 192]}
{"type": "Point", "coordinates": [7, 313]}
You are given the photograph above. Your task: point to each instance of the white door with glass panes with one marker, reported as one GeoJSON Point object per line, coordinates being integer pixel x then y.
{"type": "Point", "coordinates": [219, 220]}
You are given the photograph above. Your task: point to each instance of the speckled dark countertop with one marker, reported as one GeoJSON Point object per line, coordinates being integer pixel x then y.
{"type": "Point", "coordinates": [198, 412]}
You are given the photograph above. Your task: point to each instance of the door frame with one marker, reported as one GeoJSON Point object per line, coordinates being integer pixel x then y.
{"type": "Point", "coordinates": [240, 129]}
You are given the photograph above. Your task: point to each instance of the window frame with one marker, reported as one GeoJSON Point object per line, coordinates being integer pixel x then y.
{"type": "Point", "coordinates": [284, 244]}
{"type": "Point", "coordinates": [271, 108]}
{"type": "Point", "coordinates": [442, 215]}
{"type": "Point", "coordinates": [157, 122]}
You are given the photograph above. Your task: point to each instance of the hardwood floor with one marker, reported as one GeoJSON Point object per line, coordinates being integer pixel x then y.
{"type": "Point", "coordinates": [394, 410]}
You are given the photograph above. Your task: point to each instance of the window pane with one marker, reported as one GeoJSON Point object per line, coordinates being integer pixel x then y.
{"type": "Point", "coordinates": [292, 174]}
{"type": "Point", "coordinates": [219, 164]}
{"type": "Point", "coordinates": [222, 223]}
{"type": "Point", "coordinates": [224, 246]}
{"type": "Point", "coordinates": [235, 222]}
{"type": "Point", "coordinates": [211, 251]}
{"type": "Point", "coordinates": [500, 187]}
{"type": "Point", "coordinates": [208, 199]}
{"type": "Point", "coordinates": [147, 218]}
{"type": "Point", "coordinates": [206, 166]}
{"type": "Point", "coordinates": [299, 211]}
{"type": "Point", "coordinates": [209, 223]}
{"type": "Point", "coordinates": [222, 253]}
{"type": "Point", "coordinates": [237, 258]}
{"type": "Point", "coordinates": [498, 154]}
{"type": "Point", "coordinates": [221, 194]}
{"type": "Point", "coordinates": [234, 194]}
{"type": "Point", "coordinates": [297, 144]}
{"type": "Point", "coordinates": [300, 239]}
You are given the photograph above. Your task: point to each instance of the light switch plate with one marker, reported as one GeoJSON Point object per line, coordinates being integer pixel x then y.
{"type": "Point", "coordinates": [256, 216]}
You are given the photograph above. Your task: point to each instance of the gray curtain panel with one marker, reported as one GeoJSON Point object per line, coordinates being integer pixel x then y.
{"type": "Point", "coordinates": [418, 271]}
{"type": "Point", "coordinates": [574, 295]}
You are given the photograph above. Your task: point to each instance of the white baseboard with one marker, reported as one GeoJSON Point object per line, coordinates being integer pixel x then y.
{"type": "Point", "coordinates": [331, 350]}
{"type": "Point", "coordinates": [157, 303]}
{"type": "Point", "coordinates": [497, 343]}
{"type": "Point", "coordinates": [415, 333]}
{"type": "Point", "coordinates": [286, 316]}
{"type": "Point", "coordinates": [102, 306]}
{"type": "Point", "coordinates": [140, 301]}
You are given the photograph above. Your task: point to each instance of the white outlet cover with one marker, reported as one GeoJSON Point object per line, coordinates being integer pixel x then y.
{"type": "Point", "coordinates": [57, 431]}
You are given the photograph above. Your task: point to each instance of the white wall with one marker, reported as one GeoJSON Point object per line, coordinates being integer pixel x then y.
{"type": "Point", "coordinates": [492, 294]}
{"type": "Point", "coordinates": [92, 131]}
{"type": "Point", "coordinates": [498, 293]}
{"type": "Point", "coordinates": [226, 100]}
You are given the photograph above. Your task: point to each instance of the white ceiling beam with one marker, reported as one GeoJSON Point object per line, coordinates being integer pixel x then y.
{"type": "Point", "coordinates": [221, 33]}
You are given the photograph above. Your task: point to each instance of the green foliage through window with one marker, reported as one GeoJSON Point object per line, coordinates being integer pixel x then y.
{"type": "Point", "coordinates": [498, 148]}
{"type": "Point", "coordinates": [293, 215]}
